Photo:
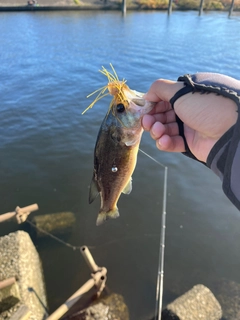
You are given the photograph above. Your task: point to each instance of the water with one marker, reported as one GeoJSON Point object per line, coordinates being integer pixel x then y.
{"type": "Point", "coordinates": [49, 63]}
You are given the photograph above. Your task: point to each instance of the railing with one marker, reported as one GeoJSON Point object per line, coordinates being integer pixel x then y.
{"type": "Point", "coordinates": [98, 280]}
{"type": "Point", "coordinates": [20, 214]}
{"type": "Point", "coordinates": [98, 274]}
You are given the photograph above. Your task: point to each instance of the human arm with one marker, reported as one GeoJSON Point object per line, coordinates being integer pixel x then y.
{"type": "Point", "coordinates": [210, 125]}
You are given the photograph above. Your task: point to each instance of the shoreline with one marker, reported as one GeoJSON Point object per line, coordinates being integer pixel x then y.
{"type": "Point", "coordinates": [19, 8]}
{"type": "Point", "coordinates": [55, 8]}
{"type": "Point", "coordinates": [84, 5]}
{"type": "Point", "coordinates": [48, 5]}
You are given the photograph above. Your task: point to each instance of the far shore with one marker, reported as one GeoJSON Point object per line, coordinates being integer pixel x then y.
{"type": "Point", "coordinates": [37, 5]}
{"type": "Point", "coordinates": [50, 5]}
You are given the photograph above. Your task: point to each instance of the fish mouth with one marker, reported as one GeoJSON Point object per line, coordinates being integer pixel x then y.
{"type": "Point", "coordinates": [137, 102]}
{"type": "Point", "coordinates": [140, 102]}
{"type": "Point", "coordinates": [141, 106]}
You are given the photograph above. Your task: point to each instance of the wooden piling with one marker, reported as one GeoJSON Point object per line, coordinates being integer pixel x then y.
{"type": "Point", "coordinates": [201, 8]}
{"type": "Point", "coordinates": [231, 9]}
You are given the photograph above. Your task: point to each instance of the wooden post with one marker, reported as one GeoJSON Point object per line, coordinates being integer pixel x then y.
{"type": "Point", "coordinates": [231, 9]}
{"type": "Point", "coordinates": [124, 7]}
{"type": "Point", "coordinates": [201, 7]}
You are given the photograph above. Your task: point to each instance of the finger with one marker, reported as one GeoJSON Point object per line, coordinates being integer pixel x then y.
{"type": "Point", "coordinates": [161, 107]}
{"type": "Point", "coordinates": [149, 120]}
{"type": "Point", "coordinates": [163, 90]}
{"type": "Point", "coordinates": [166, 117]}
{"type": "Point", "coordinates": [159, 129]}
{"type": "Point", "coordinates": [170, 144]}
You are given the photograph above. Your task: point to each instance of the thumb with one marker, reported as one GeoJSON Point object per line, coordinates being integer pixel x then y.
{"type": "Point", "coordinates": [163, 90]}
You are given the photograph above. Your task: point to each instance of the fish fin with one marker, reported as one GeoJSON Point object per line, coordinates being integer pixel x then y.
{"type": "Point", "coordinates": [128, 187]}
{"type": "Point", "coordinates": [103, 216]}
{"type": "Point", "coordinates": [94, 191]}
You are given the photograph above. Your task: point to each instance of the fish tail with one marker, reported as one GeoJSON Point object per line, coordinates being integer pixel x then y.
{"type": "Point", "coordinates": [103, 216]}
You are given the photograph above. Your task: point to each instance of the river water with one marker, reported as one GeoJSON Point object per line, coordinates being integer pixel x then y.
{"type": "Point", "coordinates": [49, 63]}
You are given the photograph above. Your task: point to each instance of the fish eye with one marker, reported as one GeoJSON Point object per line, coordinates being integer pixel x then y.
{"type": "Point", "coordinates": [120, 108]}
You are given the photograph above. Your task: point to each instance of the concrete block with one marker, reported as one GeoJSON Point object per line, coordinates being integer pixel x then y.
{"type": "Point", "coordinates": [9, 296]}
{"type": "Point", "coordinates": [22, 313]}
{"type": "Point", "coordinates": [199, 303]}
{"type": "Point", "coordinates": [19, 258]}
{"type": "Point", "coordinates": [56, 223]}
{"type": "Point", "coordinates": [109, 307]}
{"type": "Point", "coordinates": [228, 294]}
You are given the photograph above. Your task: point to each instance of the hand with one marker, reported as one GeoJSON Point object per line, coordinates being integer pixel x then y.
{"type": "Point", "coordinates": [206, 118]}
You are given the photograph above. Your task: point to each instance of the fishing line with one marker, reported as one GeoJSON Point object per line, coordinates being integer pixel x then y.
{"type": "Point", "coordinates": [160, 275]}
{"type": "Point", "coordinates": [148, 155]}
{"type": "Point", "coordinates": [54, 237]}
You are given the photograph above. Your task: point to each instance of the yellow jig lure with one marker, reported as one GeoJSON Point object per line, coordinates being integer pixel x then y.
{"type": "Point", "coordinates": [114, 86]}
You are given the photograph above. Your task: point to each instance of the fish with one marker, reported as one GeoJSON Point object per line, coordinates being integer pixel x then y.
{"type": "Point", "coordinates": [117, 145]}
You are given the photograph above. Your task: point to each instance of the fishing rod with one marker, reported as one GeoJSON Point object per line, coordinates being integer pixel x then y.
{"type": "Point", "coordinates": [160, 275]}
{"type": "Point", "coordinates": [159, 290]}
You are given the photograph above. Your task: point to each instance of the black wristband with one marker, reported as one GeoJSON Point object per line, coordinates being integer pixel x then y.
{"type": "Point", "coordinates": [180, 93]}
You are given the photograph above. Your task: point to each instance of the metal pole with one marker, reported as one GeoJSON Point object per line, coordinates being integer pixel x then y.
{"type": "Point", "coordinates": [30, 208]}
{"type": "Point", "coordinates": [231, 9]}
{"type": "Point", "coordinates": [89, 259]}
{"type": "Point", "coordinates": [98, 280]}
{"type": "Point", "coordinates": [201, 7]}
{"type": "Point", "coordinates": [7, 282]}
{"type": "Point", "coordinates": [169, 7]}
{"type": "Point", "coordinates": [71, 301]}
{"type": "Point", "coordinates": [124, 7]}
{"type": "Point", "coordinates": [7, 216]}
{"type": "Point", "coordinates": [21, 214]}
